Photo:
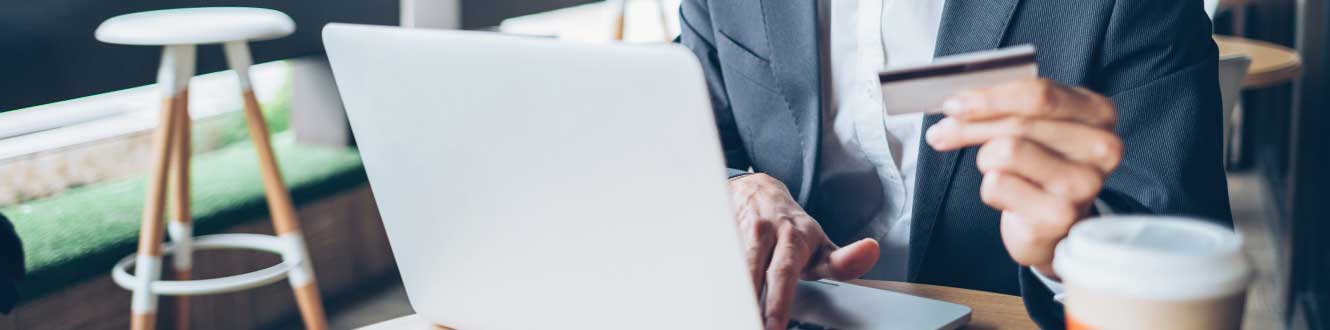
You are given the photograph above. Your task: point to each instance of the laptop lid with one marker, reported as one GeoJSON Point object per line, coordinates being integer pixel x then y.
{"type": "Point", "coordinates": [527, 182]}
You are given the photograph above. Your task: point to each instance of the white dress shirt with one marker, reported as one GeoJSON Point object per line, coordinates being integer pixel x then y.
{"type": "Point", "coordinates": [860, 38]}
{"type": "Point", "coordinates": [859, 140]}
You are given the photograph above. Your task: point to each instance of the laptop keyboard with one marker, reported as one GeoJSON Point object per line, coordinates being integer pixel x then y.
{"type": "Point", "coordinates": [801, 325]}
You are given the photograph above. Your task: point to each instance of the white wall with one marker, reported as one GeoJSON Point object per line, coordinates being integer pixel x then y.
{"type": "Point", "coordinates": [432, 14]}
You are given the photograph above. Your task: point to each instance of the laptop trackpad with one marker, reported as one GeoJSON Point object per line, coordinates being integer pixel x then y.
{"type": "Point", "coordinates": [837, 305]}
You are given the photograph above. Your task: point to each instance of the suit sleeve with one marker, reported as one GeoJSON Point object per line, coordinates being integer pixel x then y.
{"type": "Point", "coordinates": [697, 34]}
{"type": "Point", "coordinates": [1159, 65]}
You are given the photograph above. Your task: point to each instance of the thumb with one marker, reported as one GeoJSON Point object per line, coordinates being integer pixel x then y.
{"type": "Point", "coordinates": [848, 262]}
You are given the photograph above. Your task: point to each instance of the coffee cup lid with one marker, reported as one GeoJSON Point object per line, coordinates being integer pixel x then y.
{"type": "Point", "coordinates": [1153, 257]}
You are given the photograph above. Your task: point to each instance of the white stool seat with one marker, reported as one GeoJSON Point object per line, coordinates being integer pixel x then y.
{"type": "Point", "coordinates": [195, 26]}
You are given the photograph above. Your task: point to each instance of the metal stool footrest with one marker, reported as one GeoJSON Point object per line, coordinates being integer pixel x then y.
{"type": "Point", "coordinates": [231, 283]}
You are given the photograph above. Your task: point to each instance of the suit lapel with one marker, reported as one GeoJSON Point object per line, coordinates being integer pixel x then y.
{"type": "Point", "coordinates": [791, 27]}
{"type": "Point", "coordinates": [967, 25]}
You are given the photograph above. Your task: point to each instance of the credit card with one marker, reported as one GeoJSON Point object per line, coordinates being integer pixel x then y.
{"type": "Point", "coordinates": [923, 88]}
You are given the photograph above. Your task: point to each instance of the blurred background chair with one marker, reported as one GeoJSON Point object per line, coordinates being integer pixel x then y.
{"type": "Point", "coordinates": [179, 32]}
{"type": "Point", "coordinates": [1232, 71]}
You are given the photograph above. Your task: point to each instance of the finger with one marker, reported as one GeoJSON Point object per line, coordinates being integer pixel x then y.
{"type": "Point", "coordinates": [1039, 98]}
{"type": "Point", "coordinates": [1048, 215]}
{"type": "Point", "coordinates": [1076, 182]}
{"type": "Point", "coordinates": [761, 239]}
{"type": "Point", "coordinates": [1028, 244]}
{"type": "Point", "coordinates": [1079, 143]}
{"type": "Point", "coordinates": [846, 263]}
{"type": "Point", "coordinates": [787, 263]}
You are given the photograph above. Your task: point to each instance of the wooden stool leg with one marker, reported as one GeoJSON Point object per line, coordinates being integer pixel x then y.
{"type": "Point", "coordinates": [181, 226]}
{"type": "Point", "coordinates": [619, 14]}
{"type": "Point", "coordinates": [148, 265]}
{"type": "Point", "coordinates": [283, 213]}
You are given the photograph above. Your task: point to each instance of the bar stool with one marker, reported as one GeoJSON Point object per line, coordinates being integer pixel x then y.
{"type": "Point", "coordinates": [178, 32]}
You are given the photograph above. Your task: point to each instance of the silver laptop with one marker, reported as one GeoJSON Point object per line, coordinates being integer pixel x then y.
{"type": "Point", "coordinates": [534, 184]}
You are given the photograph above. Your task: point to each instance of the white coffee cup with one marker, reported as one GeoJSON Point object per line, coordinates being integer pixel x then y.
{"type": "Point", "coordinates": [1152, 272]}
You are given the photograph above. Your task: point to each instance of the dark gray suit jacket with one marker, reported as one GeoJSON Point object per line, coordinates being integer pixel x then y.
{"type": "Point", "coordinates": [1154, 58]}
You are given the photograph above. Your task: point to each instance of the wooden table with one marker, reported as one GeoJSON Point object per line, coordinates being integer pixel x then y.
{"type": "Point", "coordinates": [1270, 63]}
{"type": "Point", "coordinates": [992, 311]}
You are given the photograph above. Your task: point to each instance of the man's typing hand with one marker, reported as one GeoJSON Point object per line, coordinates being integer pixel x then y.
{"type": "Point", "coordinates": [783, 244]}
{"type": "Point", "coordinates": [1045, 151]}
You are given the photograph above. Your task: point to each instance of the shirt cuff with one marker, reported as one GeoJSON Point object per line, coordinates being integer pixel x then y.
{"type": "Point", "coordinates": [1100, 207]}
{"type": "Point", "coordinates": [740, 175]}
{"type": "Point", "coordinates": [1053, 286]}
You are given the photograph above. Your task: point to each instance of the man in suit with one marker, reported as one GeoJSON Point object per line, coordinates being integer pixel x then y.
{"type": "Point", "coordinates": [1125, 119]}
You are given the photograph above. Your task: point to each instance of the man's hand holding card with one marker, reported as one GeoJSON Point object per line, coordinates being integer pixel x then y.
{"type": "Point", "coordinates": [1045, 149]}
